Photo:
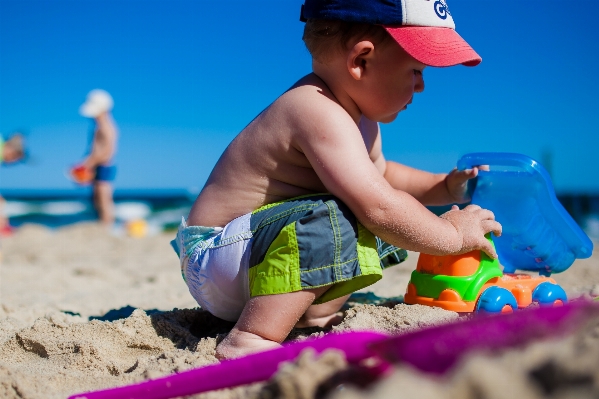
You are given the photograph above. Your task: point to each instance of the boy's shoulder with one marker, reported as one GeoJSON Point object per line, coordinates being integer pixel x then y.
{"type": "Point", "coordinates": [310, 119]}
{"type": "Point", "coordinates": [309, 106]}
{"type": "Point", "coordinates": [309, 94]}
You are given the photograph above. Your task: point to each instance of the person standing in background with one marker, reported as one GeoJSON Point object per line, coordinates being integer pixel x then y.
{"type": "Point", "coordinates": [11, 151]}
{"type": "Point", "coordinates": [98, 167]}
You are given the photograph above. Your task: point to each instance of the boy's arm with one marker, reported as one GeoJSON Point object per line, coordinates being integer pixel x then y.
{"type": "Point", "coordinates": [431, 188]}
{"type": "Point", "coordinates": [428, 188]}
{"type": "Point", "coordinates": [333, 144]}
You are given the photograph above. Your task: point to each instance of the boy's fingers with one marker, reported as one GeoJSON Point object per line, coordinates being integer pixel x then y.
{"type": "Point", "coordinates": [483, 214]}
{"type": "Point", "coordinates": [466, 174]}
{"type": "Point", "coordinates": [489, 250]}
{"type": "Point", "coordinates": [486, 214]}
{"type": "Point", "coordinates": [493, 226]}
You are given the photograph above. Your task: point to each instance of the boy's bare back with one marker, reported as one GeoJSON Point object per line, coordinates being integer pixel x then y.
{"type": "Point", "coordinates": [267, 163]}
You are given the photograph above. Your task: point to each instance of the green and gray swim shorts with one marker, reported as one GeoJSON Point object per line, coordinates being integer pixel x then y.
{"type": "Point", "coordinates": [301, 243]}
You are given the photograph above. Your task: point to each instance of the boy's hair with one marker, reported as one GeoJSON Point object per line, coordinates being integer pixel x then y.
{"type": "Point", "coordinates": [324, 37]}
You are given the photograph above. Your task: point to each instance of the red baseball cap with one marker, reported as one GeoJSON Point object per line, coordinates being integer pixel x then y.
{"type": "Point", "coordinates": [423, 28]}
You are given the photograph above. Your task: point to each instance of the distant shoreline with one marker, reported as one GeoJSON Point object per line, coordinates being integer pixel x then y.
{"type": "Point", "coordinates": [168, 205]}
{"type": "Point", "coordinates": [85, 192]}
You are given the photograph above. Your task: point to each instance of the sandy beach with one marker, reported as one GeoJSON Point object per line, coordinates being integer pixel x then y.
{"type": "Point", "coordinates": [82, 310]}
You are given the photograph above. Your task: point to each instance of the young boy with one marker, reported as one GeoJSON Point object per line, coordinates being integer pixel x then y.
{"type": "Point", "coordinates": [99, 161]}
{"type": "Point", "coordinates": [262, 246]}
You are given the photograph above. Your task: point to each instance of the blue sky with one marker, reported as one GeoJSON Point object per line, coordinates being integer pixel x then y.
{"type": "Point", "coordinates": [187, 76]}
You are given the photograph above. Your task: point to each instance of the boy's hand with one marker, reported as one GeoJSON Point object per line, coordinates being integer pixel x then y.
{"type": "Point", "coordinates": [472, 223]}
{"type": "Point", "coordinates": [457, 182]}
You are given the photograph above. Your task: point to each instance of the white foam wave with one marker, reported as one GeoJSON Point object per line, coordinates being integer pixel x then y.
{"type": "Point", "coordinates": [127, 211]}
{"type": "Point", "coordinates": [19, 208]}
{"type": "Point", "coordinates": [59, 208]}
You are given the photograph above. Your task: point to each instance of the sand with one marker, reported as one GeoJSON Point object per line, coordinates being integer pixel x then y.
{"type": "Point", "coordinates": [82, 310]}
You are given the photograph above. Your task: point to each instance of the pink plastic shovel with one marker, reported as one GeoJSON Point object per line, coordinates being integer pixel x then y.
{"type": "Point", "coordinates": [432, 350]}
{"type": "Point", "coordinates": [245, 370]}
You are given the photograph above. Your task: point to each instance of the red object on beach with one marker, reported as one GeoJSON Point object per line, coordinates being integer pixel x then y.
{"type": "Point", "coordinates": [81, 174]}
{"type": "Point", "coordinates": [6, 230]}
{"type": "Point", "coordinates": [434, 350]}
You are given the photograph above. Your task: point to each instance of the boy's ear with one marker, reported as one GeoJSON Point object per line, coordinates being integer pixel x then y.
{"type": "Point", "coordinates": [358, 57]}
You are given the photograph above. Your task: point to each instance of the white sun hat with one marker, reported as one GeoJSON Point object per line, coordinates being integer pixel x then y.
{"type": "Point", "coordinates": [97, 102]}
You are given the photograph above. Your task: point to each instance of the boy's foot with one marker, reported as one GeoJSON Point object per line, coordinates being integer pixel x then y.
{"type": "Point", "coordinates": [240, 343]}
{"type": "Point", "coordinates": [325, 315]}
{"type": "Point", "coordinates": [323, 322]}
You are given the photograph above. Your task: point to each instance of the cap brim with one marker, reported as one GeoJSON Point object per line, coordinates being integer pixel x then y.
{"type": "Point", "coordinates": [433, 46]}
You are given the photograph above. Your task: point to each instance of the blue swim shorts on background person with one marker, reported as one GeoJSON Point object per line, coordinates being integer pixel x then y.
{"type": "Point", "coordinates": [105, 173]}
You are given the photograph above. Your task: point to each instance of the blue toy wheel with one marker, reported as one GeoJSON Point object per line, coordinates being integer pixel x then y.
{"type": "Point", "coordinates": [494, 299]}
{"type": "Point", "coordinates": [547, 293]}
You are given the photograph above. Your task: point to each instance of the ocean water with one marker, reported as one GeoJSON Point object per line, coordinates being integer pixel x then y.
{"type": "Point", "coordinates": [163, 209]}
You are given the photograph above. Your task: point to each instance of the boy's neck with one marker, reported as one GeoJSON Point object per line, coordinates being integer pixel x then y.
{"type": "Point", "coordinates": [334, 81]}
{"type": "Point", "coordinates": [102, 117]}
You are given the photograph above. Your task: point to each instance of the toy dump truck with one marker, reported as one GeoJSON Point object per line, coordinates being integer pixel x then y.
{"type": "Point", "coordinates": [538, 235]}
